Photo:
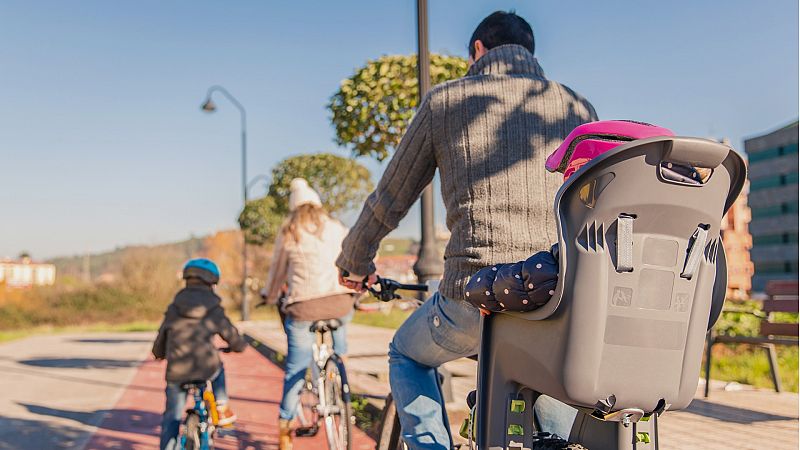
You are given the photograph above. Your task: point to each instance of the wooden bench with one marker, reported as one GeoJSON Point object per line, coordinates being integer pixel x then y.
{"type": "Point", "coordinates": [782, 296]}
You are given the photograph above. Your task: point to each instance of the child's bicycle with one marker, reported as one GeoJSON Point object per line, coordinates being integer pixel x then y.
{"type": "Point", "coordinates": [202, 420]}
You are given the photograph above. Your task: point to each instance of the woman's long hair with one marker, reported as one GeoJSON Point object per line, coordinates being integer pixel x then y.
{"type": "Point", "coordinates": [309, 218]}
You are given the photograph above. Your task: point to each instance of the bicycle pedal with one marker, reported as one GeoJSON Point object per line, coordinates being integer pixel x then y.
{"type": "Point", "coordinates": [306, 431]}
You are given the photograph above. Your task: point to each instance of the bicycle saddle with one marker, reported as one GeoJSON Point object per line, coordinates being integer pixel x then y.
{"type": "Point", "coordinates": [325, 325]}
{"type": "Point", "coordinates": [199, 384]}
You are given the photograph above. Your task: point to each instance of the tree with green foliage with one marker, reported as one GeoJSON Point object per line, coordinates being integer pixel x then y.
{"type": "Point", "coordinates": [342, 184]}
{"type": "Point", "coordinates": [372, 108]}
{"type": "Point", "coordinates": [259, 220]}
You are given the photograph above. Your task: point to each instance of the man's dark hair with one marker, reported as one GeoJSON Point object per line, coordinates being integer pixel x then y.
{"type": "Point", "coordinates": [501, 28]}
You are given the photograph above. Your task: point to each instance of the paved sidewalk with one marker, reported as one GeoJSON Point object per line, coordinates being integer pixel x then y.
{"type": "Point", "coordinates": [58, 388]}
{"type": "Point", "coordinates": [744, 419]}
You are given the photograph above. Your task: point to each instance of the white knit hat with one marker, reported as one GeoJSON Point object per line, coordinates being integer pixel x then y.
{"type": "Point", "coordinates": [302, 194]}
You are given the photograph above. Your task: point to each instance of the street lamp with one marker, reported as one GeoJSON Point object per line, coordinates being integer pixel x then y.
{"type": "Point", "coordinates": [257, 178]}
{"type": "Point", "coordinates": [429, 263]}
{"type": "Point", "coordinates": [209, 106]}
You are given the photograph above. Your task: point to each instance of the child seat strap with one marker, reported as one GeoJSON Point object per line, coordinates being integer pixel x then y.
{"type": "Point", "coordinates": [696, 245]}
{"type": "Point", "coordinates": [625, 243]}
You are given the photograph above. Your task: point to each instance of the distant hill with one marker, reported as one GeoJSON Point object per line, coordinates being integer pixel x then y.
{"type": "Point", "coordinates": [111, 261]}
{"type": "Point", "coordinates": [101, 264]}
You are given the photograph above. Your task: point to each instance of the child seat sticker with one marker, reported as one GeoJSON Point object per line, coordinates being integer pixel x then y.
{"type": "Point", "coordinates": [622, 296]}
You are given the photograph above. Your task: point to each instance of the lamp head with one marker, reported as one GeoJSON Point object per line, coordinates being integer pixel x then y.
{"type": "Point", "coordinates": [209, 106]}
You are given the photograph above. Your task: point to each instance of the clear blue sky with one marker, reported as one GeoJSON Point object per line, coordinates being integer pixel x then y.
{"type": "Point", "coordinates": [103, 143]}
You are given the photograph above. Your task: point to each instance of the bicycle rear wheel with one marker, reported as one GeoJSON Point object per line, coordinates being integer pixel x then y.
{"type": "Point", "coordinates": [335, 402]}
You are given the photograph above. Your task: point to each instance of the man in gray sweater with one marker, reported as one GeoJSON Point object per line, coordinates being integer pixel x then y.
{"type": "Point", "coordinates": [489, 134]}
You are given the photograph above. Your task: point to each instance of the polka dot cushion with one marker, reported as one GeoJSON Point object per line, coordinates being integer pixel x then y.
{"type": "Point", "coordinates": [479, 289]}
{"type": "Point", "coordinates": [521, 286]}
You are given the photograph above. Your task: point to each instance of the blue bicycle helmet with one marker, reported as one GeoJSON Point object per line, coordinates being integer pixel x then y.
{"type": "Point", "coordinates": [201, 268]}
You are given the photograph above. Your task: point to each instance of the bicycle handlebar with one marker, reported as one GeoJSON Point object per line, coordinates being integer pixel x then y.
{"type": "Point", "coordinates": [388, 288]}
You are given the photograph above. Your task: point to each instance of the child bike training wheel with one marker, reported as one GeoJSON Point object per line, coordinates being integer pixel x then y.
{"type": "Point", "coordinates": [336, 409]}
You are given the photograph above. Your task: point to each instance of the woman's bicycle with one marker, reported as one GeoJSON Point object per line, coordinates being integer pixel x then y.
{"type": "Point", "coordinates": [325, 397]}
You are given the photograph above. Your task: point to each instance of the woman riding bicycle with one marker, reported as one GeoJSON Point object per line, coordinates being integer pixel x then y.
{"type": "Point", "coordinates": [304, 275]}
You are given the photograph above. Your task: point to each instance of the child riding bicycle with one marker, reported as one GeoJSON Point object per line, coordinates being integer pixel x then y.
{"type": "Point", "coordinates": [186, 340]}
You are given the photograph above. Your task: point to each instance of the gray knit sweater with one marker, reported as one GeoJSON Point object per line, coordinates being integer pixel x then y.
{"type": "Point", "coordinates": [489, 134]}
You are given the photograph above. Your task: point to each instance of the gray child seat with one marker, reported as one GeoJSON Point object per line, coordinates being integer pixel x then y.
{"type": "Point", "coordinates": [622, 337]}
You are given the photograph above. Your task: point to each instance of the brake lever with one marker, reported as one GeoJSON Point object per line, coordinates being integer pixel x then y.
{"type": "Point", "coordinates": [387, 292]}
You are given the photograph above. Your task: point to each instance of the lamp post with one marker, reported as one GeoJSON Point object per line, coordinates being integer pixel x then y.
{"type": "Point", "coordinates": [429, 262]}
{"type": "Point", "coordinates": [257, 178]}
{"type": "Point", "coordinates": [209, 106]}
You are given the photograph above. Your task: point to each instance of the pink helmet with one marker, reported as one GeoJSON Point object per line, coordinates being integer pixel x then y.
{"type": "Point", "coordinates": [595, 138]}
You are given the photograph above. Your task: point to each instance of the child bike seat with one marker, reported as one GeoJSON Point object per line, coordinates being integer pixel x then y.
{"type": "Point", "coordinates": [640, 260]}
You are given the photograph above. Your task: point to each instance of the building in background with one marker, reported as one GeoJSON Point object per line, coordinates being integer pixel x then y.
{"type": "Point", "coordinates": [738, 242]}
{"type": "Point", "coordinates": [773, 174]}
{"type": "Point", "coordinates": [26, 273]}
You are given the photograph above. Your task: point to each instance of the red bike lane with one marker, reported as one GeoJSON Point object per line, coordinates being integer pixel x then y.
{"type": "Point", "coordinates": [254, 386]}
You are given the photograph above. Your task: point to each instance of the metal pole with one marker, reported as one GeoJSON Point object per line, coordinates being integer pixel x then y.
{"type": "Point", "coordinates": [245, 305]}
{"type": "Point", "coordinates": [429, 262]}
{"type": "Point", "coordinates": [243, 113]}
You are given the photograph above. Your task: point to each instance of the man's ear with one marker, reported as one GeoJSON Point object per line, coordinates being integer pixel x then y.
{"type": "Point", "coordinates": [479, 48]}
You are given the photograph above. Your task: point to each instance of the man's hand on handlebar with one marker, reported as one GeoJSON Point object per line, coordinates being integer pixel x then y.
{"type": "Point", "coordinates": [346, 280]}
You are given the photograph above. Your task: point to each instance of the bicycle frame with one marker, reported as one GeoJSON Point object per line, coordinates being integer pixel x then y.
{"type": "Point", "coordinates": [328, 375]}
{"type": "Point", "coordinates": [203, 401]}
{"type": "Point", "coordinates": [321, 351]}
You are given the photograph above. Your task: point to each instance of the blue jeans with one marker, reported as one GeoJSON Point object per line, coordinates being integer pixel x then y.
{"type": "Point", "coordinates": [299, 356]}
{"type": "Point", "coordinates": [176, 404]}
{"type": "Point", "coordinates": [443, 330]}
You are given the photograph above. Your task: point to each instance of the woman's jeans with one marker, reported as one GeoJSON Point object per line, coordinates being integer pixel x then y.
{"type": "Point", "coordinates": [443, 330]}
{"type": "Point", "coordinates": [176, 404]}
{"type": "Point", "coordinates": [299, 357]}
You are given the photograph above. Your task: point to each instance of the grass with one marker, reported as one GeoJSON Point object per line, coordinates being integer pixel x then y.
{"type": "Point", "coordinates": [749, 365]}
{"type": "Point", "coordinates": [262, 313]}
{"type": "Point", "coordinates": [391, 319]}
